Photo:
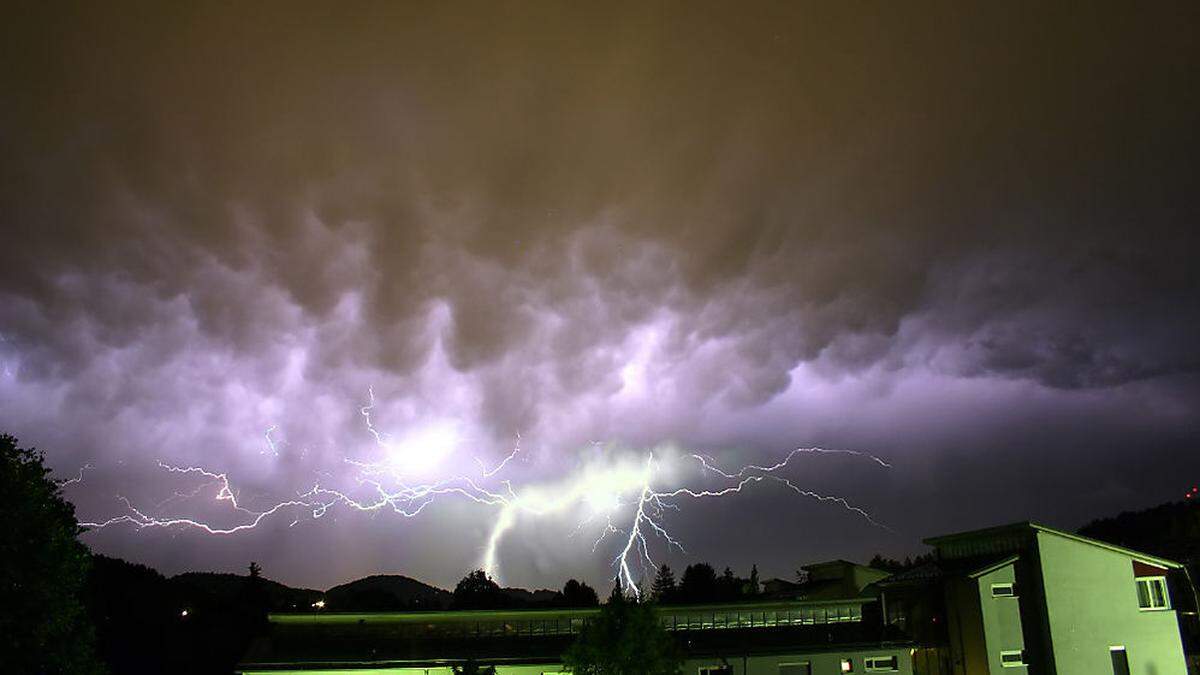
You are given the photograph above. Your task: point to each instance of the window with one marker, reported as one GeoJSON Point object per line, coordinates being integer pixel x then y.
{"type": "Point", "coordinates": [1120, 660]}
{"type": "Point", "coordinates": [715, 670]}
{"type": "Point", "coordinates": [1004, 591]}
{"type": "Point", "coordinates": [1152, 593]}
{"type": "Point", "coordinates": [1012, 659]}
{"type": "Point", "coordinates": [847, 666]}
{"type": "Point", "coordinates": [881, 664]}
{"type": "Point", "coordinates": [795, 668]}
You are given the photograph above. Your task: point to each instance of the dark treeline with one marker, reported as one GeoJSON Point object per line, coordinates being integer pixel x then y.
{"type": "Point", "coordinates": [700, 583]}
{"type": "Point", "coordinates": [879, 562]}
{"type": "Point", "coordinates": [478, 591]}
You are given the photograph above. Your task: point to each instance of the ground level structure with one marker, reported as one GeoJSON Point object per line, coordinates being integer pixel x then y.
{"type": "Point", "coordinates": [795, 637]}
{"type": "Point", "coordinates": [1012, 600]}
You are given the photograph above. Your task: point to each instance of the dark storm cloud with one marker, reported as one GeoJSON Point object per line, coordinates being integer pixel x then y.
{"type": "Point", "coordinates": [640, 223]}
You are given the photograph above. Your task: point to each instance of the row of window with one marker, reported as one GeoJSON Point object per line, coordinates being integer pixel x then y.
{"type": "Point", "coordinates": [1151, 592]}
{"type": "Point", "coordinates": [681, 620]}
{"type": "Point", "coordinates": [800, 616]}
{"type": "Point", "coordinates": [870, 664]}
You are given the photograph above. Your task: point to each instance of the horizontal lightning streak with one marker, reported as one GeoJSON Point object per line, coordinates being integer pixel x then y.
{"type": "Point", "coordinates": [602, 490]}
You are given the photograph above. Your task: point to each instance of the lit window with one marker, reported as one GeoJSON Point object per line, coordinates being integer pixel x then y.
{"type": "Point", "coordinates": [1004, 591]}
{"type": "Point", "coordinates": [881, 664]}
{"type": "Point", "coordinates": [1012, 659]}
{"type": "Point", "coordinates": [847, 666]}
{"type": "Point", "coordinates": [1152, 593]}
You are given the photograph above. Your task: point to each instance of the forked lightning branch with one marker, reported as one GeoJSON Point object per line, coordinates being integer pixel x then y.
{"type": "Point", "coordinates": [626, 500]}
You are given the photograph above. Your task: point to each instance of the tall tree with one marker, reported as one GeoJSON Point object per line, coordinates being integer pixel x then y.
{"type": "Point", "coordinates": [752, 585]}
{"type": "Point", "coordinates": [699, 583]}
{"type": "Point", "coordinates": [579, 594]}
{"type": "Point", "coordinates": [255, 599]}
{"type": "Point", "coordinates": [478, 591]}
{"type": "Point", "coordinates": [625, 639]}
{"type": "Point", "coordinates": [663, 589]}
{"type": "Point", "coordinates": [44, 627]}
{"type": "Point", "coordinates": [729, 587]}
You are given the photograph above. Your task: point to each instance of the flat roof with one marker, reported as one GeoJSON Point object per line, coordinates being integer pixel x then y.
{"type": "Point", "coordinates": [1037, 527]}
{"type": "Point", "coordinates": [447, 616]}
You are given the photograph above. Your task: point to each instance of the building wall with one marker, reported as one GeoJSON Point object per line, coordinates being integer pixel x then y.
{"type": "Point", "coordinates": [824, 663]}
{"type": "Point", "coordinates": [1001, 617]}
{"type": "Point", "coordinates": [1091, 604]}
{"type": "Point", "coordinates": [964, 627]}
{"type": "Point", "coordinates": [499, 670]}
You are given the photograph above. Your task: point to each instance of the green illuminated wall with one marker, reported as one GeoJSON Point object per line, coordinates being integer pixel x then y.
{"type": "Point", "coordinates": [1001, 617]}
{"type": "Point", "coordinates": [1091, 604]}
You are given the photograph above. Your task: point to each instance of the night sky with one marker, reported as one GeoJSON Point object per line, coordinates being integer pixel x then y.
{"type": "Point", "coordinates": [962, 241]}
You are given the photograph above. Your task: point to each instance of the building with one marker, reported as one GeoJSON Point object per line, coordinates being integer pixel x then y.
{"type": "Point", "coordinates": [791, 637]}
{"type": "Point", "coordinates": [1028, 598]}
{"type": "Point", "coordinates": [1009, 600]}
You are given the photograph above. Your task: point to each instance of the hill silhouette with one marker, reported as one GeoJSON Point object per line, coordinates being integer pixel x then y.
{"type": "Point", "coordinates": [224, 588]}
{"type": "Point", "coordinates": [384, 592]}
{"type": "Point", "coordinates": [1170, 530]}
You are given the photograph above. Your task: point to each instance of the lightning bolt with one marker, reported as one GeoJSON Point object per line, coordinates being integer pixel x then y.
{"type": "Point", "coordinates": [78, 477]}
{"type": "Point", "coordinates": [595, 494]}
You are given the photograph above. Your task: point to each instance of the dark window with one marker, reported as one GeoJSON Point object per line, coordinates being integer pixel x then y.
{"type": "Point", "coordinates": [1120, 661]}
{"type": "Point", "coordinates": [1004, 591]}
{"type": "Point", "coordinates": [1012, 659]}
{"type": "Point", "coordinates": [881, 664]}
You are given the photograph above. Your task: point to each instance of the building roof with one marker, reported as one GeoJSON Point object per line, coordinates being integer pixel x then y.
{"type": "Point", "coordinates": [1037, 527]}
{"type": "Point", "coordinates": [539, 614]}
{"type": "Point", "coordinates": [937, 569]}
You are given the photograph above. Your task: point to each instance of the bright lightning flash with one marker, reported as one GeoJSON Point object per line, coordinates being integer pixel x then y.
{"type": "Point", "coordinates": [623, 497]}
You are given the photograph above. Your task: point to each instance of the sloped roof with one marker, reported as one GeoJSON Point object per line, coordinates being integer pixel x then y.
{"type": "Point", "coordinates": [936, 569]}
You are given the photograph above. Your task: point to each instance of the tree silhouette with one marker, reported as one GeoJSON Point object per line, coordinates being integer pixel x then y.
{"type": "Point", "coordinates": [699, 583]}
{"type": "Point", "coordinates": [752, 586]}
{"type": "Point", "coordinates": [663, 588]}
{"type": "Point", "coordinates": [892, 565]}
{"type": "Point", "coordinates": [478, 591]}
{"type": "Point", "coordinates": [729, 587]}
{"type": "Point", "coordinates": [625, 639]}
{"type": "Point", "coordinates": [579, 594]}
{"type": "Point", "coordinates": [255, 598]}
{"type": "Point", "coordinates": [43, 625]}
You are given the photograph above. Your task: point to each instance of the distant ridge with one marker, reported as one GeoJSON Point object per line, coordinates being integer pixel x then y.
{"type": "Point", "coordinates": [383, 592]}
{"type": "Point", "coordinates": [225, 588]}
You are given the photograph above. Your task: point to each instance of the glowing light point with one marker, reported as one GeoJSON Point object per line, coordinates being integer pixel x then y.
{"type": "Point", "coordinates": [602, 503]}
{"type": "Point", "coordinates": [423, 450]}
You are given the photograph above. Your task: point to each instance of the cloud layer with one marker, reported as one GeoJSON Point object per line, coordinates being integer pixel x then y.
{"type": "Point", "coordinates": [961, 240]}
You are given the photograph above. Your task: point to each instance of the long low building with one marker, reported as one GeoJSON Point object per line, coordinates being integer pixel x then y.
{"type": "Point", "coordinates": [795, 637]}
{"type": "Point", "coordinates": [1010, 600]}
